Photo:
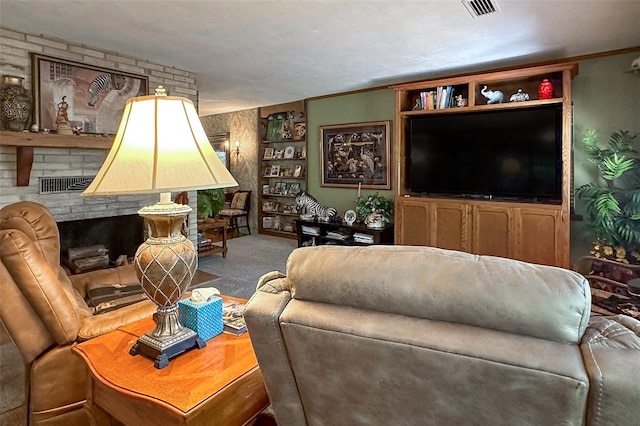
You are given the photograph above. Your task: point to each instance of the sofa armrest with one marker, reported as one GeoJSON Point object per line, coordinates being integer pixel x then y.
{"type": "Point", "coordinates": [262, 317]}
{"type": "Point", "coordinates": [611, 352]}
{"type": "Point", "coordinates": [101, 324]}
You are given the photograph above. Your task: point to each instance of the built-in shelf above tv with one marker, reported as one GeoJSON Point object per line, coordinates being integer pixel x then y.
{"type": "Point", "coordinates": [450, 192]}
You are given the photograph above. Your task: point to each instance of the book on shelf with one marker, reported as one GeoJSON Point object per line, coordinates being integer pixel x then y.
{"type": "Point", "coordinates": [359, 237]}
{"type": "Point", "coordinates": [334, 235]}
{"type": "Point", "coordinates": [310, 230]}
{"type": "Point", "coordinates": [233, 318]}
{"type": "Point", "coordinates": [440, 98]}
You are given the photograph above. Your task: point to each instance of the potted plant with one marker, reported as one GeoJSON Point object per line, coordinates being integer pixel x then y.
{"type": "Point", "coordinates": [210, 202]}
{"type": "Point", "coordinates": [375, 210]}
{"type": "Point", "coordinates": [613, 202]}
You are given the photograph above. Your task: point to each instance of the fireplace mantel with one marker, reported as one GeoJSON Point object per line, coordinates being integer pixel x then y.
{"type": "Point", "coordinates": [26, 141]}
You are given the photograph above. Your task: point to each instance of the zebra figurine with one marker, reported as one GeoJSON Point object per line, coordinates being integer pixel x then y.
{"type": "Point", "coordinates": [99, 84]}
{"type": "Point", "coordinates": [305, 203]}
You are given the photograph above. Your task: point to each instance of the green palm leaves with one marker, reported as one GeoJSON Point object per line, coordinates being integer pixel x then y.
{"type": "Point", "coordinates": [613, 204]}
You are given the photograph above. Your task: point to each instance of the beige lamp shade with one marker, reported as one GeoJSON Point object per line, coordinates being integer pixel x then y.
{"type": "Point", "coordinates": [160, 147]}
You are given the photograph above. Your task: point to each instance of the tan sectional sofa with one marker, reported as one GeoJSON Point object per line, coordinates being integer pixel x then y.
{"type": "Point", "coordinates": [398, 335]}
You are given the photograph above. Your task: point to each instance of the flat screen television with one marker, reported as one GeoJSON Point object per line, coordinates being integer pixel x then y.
{"type": "Point", "coordinates": [511, 154]}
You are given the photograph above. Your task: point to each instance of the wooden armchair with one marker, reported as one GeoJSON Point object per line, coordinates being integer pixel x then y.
{"type": "Point", "coordinates": [240, 206]}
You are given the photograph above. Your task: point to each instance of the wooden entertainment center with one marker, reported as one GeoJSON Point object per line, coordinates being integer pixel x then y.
{"type": "Point", "coordinates": [531, 231]}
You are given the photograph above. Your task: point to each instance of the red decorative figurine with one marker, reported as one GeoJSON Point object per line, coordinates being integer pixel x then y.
{"type": "Point", "coordinates": [545, 90]}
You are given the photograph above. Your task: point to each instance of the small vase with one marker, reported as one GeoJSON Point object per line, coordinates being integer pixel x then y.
{"type": "Point", "coordinates": [545, 90]}
{"type": "Point", "coordinates": [16, 103]}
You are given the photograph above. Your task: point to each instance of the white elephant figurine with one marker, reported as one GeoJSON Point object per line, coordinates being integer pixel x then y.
{"type": "Point", "coordinates": [494, 96]}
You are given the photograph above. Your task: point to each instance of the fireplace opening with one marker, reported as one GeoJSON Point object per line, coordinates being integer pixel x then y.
{"type": "Point", "coordinates": [121, 235]}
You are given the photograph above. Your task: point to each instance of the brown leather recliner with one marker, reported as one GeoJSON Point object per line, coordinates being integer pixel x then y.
{"type": "Point", "coordinates": [398, 335]}
{"type": "Point", "coordinates": [45, 313]}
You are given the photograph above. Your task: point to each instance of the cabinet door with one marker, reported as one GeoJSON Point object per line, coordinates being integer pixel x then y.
{"type": "Point", "coordinates": [493, 228]}
{"type": "Point", "coordinates": [424, 222]}
{"type": "Point", "coordinates": [542, 237]}
{"type": "Point", "coordinates": [451, 226]}
{"type": "Point", "coordinates": [412, 222]}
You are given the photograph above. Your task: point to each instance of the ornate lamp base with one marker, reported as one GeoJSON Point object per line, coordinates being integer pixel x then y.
{"type": "Point", "coordinates": [164, 348]}
{"type": "Point", "coordinates": [165, 265]}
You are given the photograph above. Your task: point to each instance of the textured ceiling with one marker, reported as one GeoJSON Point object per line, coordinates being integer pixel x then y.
{"type": "Point", "coordinates": [255, 53]}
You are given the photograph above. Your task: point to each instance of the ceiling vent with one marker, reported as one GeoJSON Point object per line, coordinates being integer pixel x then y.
{"type": "Point", "coordinates": [479, 8]}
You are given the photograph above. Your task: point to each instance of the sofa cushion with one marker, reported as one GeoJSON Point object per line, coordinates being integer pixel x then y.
{"type": "Point", "coordinates": [38, 224]}
{"type": "Point", "coordinates": [239, 200]}
{"type": "Point", "coordinates": [426, 282]}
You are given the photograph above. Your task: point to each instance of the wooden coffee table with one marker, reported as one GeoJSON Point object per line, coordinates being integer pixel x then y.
{"type": "Point", "coordinates": [220, 384]}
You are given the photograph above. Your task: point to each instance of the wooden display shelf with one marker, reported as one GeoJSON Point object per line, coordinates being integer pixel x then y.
{"type": "Point", "coordinates": [502, 106]}
{"type": "Point", "coordinates": [286, 234]}
{"type": "Point", "coordinates": [269, 213]}
{"type": "Point", "coordinates": [530, 231]}
{"type": "Point", "coordinates": [283, 159]}
{"type": "Point", "coordinates": [273, 142]}
{"type": "Point", "coordinates": [286, 140]}
{"type": "Point", "coordinates": [379, 235]}
{"type": "Point", "coordinates": [25, 142]}
{"type": "Point", "coordinates": [278, 196]}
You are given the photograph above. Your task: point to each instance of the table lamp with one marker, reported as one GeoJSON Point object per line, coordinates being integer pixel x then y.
{"type": "Point", "coordinates": [161, 147]}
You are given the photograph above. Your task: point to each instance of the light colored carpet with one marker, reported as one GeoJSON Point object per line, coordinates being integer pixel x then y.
{"type": "Point", "coordinates": [12, 377]}
{"type": "Point", "coordinates": [248, 258]}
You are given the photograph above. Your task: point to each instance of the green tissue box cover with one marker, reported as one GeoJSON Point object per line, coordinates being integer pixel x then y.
{"type": "Point", "coordinates": [203, 318]}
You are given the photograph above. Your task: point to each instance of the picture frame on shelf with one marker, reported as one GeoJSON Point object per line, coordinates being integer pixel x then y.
{"type": "Point", "coordinates": [267, 222]}
{"type": "Point", "coordinates": [356, 155]}
{"type": "Point", "coordinates": [299, 131]}
{"type": "Point", "coordinates": [266, 188]}
{"type": "Point", "coordinates": [267, 172]}
{"type": "Point", "coordinates": [303, 152]}
{"type": "Point", "coordinates": [278, 154]}
{"type": "Point", "coordinates": [90, 112]}
{"type": "Point", "coordinates": [270, 206]}
{"type": "Point", "coordinates": [289, 208]}
{"type": "Point", "coordinates": [275, 170]}
{"type": "Point", "coordinates": [289, 152]}
{"type": "Point", "coordinates": [294, 188]}
{"type": "Point", "coordinates": [275, 126]}
{"type": "Point", "coordinates": [297, 172]}
{"type": "Point", "coordinates": [281, 188]}
{"type": "Point", "coordinates": [268, 154]}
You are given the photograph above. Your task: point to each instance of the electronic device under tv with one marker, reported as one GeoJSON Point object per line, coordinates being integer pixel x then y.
{"type": "Point", "coordinates": [509, 154]}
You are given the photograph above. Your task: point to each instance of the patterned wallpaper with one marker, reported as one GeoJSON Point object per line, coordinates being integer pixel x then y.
{"type": "Point", "coordinates": [243, 127]}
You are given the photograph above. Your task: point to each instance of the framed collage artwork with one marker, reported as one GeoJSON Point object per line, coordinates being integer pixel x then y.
{"type": "Point", "coordinates": [356, 154]}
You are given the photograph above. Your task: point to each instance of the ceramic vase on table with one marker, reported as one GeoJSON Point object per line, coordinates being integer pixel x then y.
{"type": "Point", "coordinates": [16, 104]}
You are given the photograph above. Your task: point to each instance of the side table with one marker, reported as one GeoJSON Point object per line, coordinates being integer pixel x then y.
{"type": "Point", "coordinates": [211, 228]}
{"type": "Point", "coordinates": [220, 384]}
